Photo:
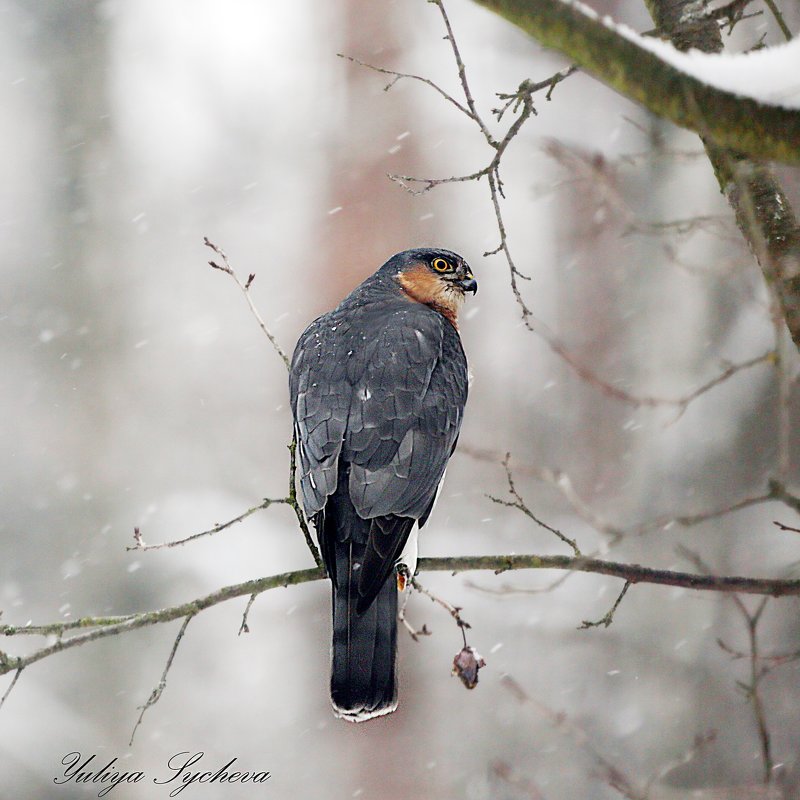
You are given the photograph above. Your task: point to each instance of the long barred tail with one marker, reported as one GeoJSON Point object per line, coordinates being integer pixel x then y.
{"type": "Point", "coordinates": [363, 679]}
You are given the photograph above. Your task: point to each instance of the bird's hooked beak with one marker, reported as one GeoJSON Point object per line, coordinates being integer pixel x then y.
{"type": "Point", "coordinates": [468, 283]}
{"type": "Point", "coordinates": [464, 278]}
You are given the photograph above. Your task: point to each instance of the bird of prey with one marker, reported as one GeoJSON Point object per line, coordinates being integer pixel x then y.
{"type": "Point", "coordinates": [378, 387]}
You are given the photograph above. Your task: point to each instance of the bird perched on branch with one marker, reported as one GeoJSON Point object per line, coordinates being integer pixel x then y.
{"type": "Point", "coordinates": [378, 387]}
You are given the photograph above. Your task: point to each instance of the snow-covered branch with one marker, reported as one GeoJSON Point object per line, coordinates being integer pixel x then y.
{"type": "Point", "coordinates": [749, 103]}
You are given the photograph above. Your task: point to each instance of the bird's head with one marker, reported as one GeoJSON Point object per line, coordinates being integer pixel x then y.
{"type": "Point", "coordinates": [437, 278]}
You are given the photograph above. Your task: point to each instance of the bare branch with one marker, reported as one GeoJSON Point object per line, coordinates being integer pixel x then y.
{"type": "Point", "coordinates": [783, 410]}
{"type": "Point", "coordinates": [739, 123]}
{"type": "Point", "coordinates": [503, 247]}
{"type": "Point", "coordinates": [786, 527]}
{"type": "Point", "coordinates": [462, 73]}
{"type": "Point", "coordinates": [522, 786]}
{"type": "Point", "coordinates": [413, 632]}
{"type": "Point", "coordinates": [244, 628]}
{"type": "Point", "coordinates": [155, 695]}
{"type": "Point", "coordinates": [102, 627]}
{"type": "Point", "coordinates": [608, 618]}
{"type": "Point", "coordinates": [628, 398]}
{"type": "Point", "coordinates": [701, 741]}
{"type": "Point", "coordinates": [406, 181]}
{"type": "Point", "coordinates": [60, 628]}
{"type": "Point", "coordinates": [519, 504]}
{"type": "Point", "coordinates": [613, 775]}
{"type": "Point", "coordinates": [635, 573]}
{"type": "Point", "coordinates": [221, 526]}
{"type": "Point", "coordinates": [731, 11]}
{"type": "Point", "coordinates": [597, 172]}
{"type": "Point", "coordinates": [454, 611]}
{"type": "Point", "coordinates": [291, 500]}
{"type": "Point", "coordinates": [245, 287]}
{"type": "Point", "coordinates": [757, 672]}
{"type": "Point", "coordinates": [407, 75]}
{"type": "Point", "coordinates": [561, 481]}
{"type": "Point", "coordinates": [777, 491]}
{"type": "Point", "coordinates": [528, 88]}
{"type": "Point", "coordinates": [775, 11]}
{"type": "Point", "coordinates": [467, 662]}
{"type": "Point", "coordinates": [11, 685]}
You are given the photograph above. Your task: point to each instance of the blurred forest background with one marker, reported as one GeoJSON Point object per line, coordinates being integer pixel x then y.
{"type": "Point", "coordinates": [138, 390]}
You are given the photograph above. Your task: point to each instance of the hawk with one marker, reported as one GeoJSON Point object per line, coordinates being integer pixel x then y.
{"type": "Point", "coordinates": [378, 387]}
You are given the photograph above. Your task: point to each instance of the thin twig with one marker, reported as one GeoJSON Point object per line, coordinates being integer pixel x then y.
{"type": "Point", "coordinates": [155, 695]}
{"type": "Point", "coordinates": [291, 499]}
{"type": "Point", "coordinates": [783, 411]}
{"type": "Point", "coordinates": [244, 627]}
{"type": "Point", "coordinates": [396, 76]}
{"type": "Point", "coordinates": [506, 589]}
{"type": "Point", "coordinates": [757, 672]}
{"type": "Point", "coordinates": [529, 87]}
{"type": "Point", "coordinates": [614, 775]}
{"type": "Point", "coordinates": [642, 401]}
{"type": "Point", "coordinates": [730, 11]}
{"type": "Point", "coordinates": [10, 686]}
{"type": "Point", "coordinates": [775, 11]}
{"type": "Point", "coordinates": [454, 611]}
{"type": "Point", "coordinates": [777, 491]}
{"type": "Point", "coordinates": [245, 287]}
{"type": "Point", "coordinates": [561, 481]}
{"type": "Point", "coordinates": [413, 632]}
{"type": "Point", "coordinates": [221, 526]}
{"type": "Point", "coordinates": [768, 660]}
{"type": "Point", "coordinates": [701, 741]}
{"type": "Point", "coordinates": [521, 785]}
{"type": "Point", "coordinates": [592, 169]}
{"type": "Point", "coordinates": [462, 73]}
{"type": "Point", "coordinates": [60, 628]}
{"type": "Point", "coordinates": [786, 527]}
{"type": "Point", "coordinates": [503, 247]}
{"type": "Point", "coordinates": [490, 170]}
{"type": "Point", "coordinates": [519, 504]}
{"type": "Point", "coordinates": [467, 662]}
{"type": "Point", "coordinates": [608, 618]}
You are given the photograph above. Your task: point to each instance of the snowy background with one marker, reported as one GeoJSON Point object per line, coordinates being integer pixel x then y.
{"type": "Point", "coordinates": [137, 390]}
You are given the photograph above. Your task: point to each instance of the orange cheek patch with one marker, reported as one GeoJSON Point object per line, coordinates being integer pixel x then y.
{"type": "Point", "coordinates": [420, 284]}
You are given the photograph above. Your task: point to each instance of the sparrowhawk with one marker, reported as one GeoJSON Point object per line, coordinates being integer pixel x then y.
{"type": "Point", "coordinates": [378, 387]}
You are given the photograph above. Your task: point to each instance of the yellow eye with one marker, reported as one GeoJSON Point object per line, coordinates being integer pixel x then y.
{"type": "Point", "coordinates": [440, 265]}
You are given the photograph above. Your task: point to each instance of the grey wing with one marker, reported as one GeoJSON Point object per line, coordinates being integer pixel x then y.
{"type": "Point", "coordinates": [406, 417]}
{"type": "Point", "coordinates": [401, 434]}
{"type": "Point", "coordinates": [402, 429]}
{"type": "Point", "coordinates": [320, 396]}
